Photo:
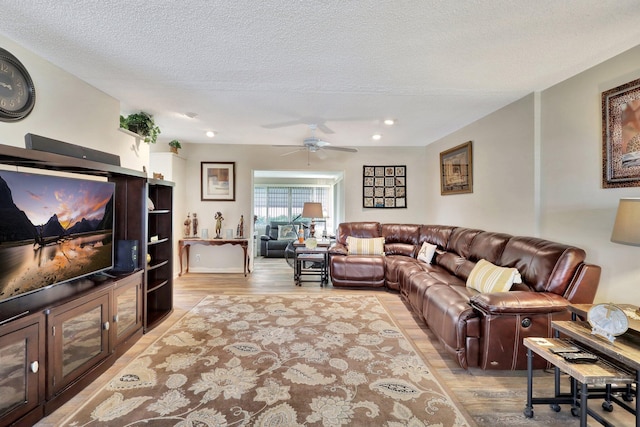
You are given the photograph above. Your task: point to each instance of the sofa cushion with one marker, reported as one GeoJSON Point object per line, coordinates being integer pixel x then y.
{"type": "Point", "coordinates": [487, 277]}
{"type": "Point", "coordinates": [370, 246]}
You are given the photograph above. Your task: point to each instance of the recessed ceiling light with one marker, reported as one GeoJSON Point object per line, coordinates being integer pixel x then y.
{"type": "Point", "coordinates": [210, 134]}
{"type": "Point", "coordinates": [389, 122]}
{"type": "Point", "coordinates": [376, 137]}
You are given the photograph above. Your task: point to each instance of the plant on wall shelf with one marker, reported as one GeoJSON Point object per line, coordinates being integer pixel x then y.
{"type": "Point", "coordinates": [175, 144]}
{"type": "Point", "coordinates": [143, 124]}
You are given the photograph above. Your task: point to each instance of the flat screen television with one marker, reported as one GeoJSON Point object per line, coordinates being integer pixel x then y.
{"type": "Point", "coordinates": [53, 229]}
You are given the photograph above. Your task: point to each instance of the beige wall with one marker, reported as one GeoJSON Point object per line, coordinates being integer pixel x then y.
{"type": "Point", "coordinates": [253, 157]}
{"type": "Point", "coordinates": [538, 168]}
{"type": "Point", "coordinates": [70, 110]}
{"type": "Point", "coordinates": [575, 208]}
{"type": "Point", "coordinates": [503, 170]}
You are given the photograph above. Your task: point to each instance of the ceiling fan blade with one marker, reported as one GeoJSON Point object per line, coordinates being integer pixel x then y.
{"type": "Point", "coordinates": [321, 154]}
{"type": "Point", "coordinates": [324, 128]}
{"type": "Point", "coordinates": [292, 152]}
{"type": "Point", "coordinates": [348, 150]}
{"type": "Point", "coordinates": [283, 124]}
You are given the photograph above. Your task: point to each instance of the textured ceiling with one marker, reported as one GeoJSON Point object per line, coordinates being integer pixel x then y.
{"type": "Point", "coordinates": [246, 67]}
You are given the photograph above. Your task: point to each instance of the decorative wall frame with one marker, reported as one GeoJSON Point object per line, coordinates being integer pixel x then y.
{"type": "Point", "coordinates": [384, 186]}
{"type": "Point", "coordinates": [218, 181]}
{"type": "Point", "coordinates": [456, 170]}
{"type": "Point", "coordinates": [621, 136]}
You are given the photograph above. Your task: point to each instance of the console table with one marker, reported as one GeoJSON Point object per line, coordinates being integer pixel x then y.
{"type": "Point", "coordinates": [185, 244]}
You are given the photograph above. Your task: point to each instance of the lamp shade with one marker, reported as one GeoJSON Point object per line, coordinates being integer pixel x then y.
{"type": "Point", "coordinates": [312, 210]}
{"type": "Point", "coordinates": [626, 229]}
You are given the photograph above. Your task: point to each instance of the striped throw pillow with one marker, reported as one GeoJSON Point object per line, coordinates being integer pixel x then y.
{"type": "Point", "coordinates": [359, 246]}
{"type": "Point", "coordinates": [487, 277]}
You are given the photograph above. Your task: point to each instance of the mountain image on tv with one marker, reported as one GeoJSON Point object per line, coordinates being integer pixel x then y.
{"type": "Point", "coordinates": [52, 229]}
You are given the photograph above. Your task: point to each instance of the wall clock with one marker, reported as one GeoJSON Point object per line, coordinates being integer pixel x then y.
{"type": "Point", "coordinates": [607, 320]}
{"type": "Point", "coordinates": [17, 92]}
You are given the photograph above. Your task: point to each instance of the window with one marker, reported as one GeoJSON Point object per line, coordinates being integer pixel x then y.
{"type": "Point", "coordinates": [284, 203]}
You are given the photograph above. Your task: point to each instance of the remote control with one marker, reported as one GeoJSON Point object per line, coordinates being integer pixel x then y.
{"type": "Point", "coordinates": [557, 350]}
{"type": "Point", "coordinates": [581, 357]}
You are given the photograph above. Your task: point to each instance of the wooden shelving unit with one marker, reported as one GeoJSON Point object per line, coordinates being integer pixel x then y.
{"type": "Point", "coordinates": [158, 295]}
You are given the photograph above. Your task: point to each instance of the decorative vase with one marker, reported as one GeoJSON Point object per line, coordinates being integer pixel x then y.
{"type": "Point", "coordinates": [174, 150]}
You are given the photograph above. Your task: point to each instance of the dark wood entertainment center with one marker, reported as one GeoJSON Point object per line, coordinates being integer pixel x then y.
{"type": "Point", "coordinates": [64, 336]}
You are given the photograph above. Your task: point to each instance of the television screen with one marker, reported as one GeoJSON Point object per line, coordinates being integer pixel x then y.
{"type": "Point", "coordinates": [52, 229]}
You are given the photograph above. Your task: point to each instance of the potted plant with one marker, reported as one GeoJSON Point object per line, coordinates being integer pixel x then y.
{"type": "Point", "coordinates": [143, 124]}
{"type": "Point", "coordinates": [175, 144]}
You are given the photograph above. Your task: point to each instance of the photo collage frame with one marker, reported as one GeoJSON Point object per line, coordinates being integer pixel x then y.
{"type": "Point", "coordinates": [384, 186]}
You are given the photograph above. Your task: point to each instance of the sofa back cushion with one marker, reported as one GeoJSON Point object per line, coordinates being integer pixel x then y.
{"type": "Point", "coordinates": [400, 239]}
{"type": "Point", "coordinates": [485, 245]}
{"type": "Point", "coordinates": [357, 229]}
{"type": "Point", "coordinates": [457, 252]}
{"type": "Point", "coordinates": [435, 234]}
{"type": "Point", "coordinates": [544, 266]}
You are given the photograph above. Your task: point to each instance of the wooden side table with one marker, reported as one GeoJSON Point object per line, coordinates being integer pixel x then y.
{"type": "Point", "coordinates": [600, 373]}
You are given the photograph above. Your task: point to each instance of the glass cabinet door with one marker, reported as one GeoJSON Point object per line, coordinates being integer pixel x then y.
{"type": "Point", "coordinates": [80, 339]}
{"type": "Point", "coordinates": [127, 298]}
{"type": "Point", "coordinates": [21, 348]}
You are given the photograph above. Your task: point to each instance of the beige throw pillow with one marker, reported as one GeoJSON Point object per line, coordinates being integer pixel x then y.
{"type": "Point", "coordinates": [487, 277]}
{"type": "Point", "coordinates": [427, 251]}
{"type": "Point", "coordinates": [359, 246]}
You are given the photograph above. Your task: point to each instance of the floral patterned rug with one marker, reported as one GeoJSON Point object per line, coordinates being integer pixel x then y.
{"type": "Point", "coordinates": [277, 361]}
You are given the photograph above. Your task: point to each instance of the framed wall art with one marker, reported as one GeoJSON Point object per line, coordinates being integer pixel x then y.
{"type": "Point", "coordinates": [621, 136]}
{"type": "Point", "coordinates": [456, 170]}
{"type": "Point", "coordinates": [218, 181]}
{"type": "Point", "coordinates": [384, 187]}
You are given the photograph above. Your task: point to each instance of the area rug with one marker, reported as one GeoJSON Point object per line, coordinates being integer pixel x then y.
{"type": "Point", "coordinates": [286, 360]}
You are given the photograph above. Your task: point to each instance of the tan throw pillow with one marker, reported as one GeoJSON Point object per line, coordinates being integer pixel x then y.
{"type": "Point", "coordinates": [427, 251]}
{"type": "Point", "coordinates": [487, 277]}
{"type": "Point", "coordinates": [359, 246]}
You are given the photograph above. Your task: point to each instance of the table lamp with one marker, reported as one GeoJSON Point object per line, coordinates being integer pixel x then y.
{"type": "Point", "coordinates": [626, 229]}
{"type": "Point", "coordinates": [312, 210]}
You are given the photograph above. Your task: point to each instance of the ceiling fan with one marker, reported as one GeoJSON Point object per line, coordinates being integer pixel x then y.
{"type": "Point", "coordinates": [316, 145]}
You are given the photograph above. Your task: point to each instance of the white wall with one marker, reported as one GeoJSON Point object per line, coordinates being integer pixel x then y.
{"type": "Point", "coordinates": [503, 174]}
{"type": "Point", "coordinates": [253, 157]}
{"type": "Point", "coordinates": [70, 110]}
{"type": "Point", "coordinates": [575, 207]}
{"type": "Point", "coordinates": [538, 171]}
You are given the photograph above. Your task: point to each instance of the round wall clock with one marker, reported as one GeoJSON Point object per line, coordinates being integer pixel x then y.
{"type": "Point", "coordinates": [607, 320]}
{"type": "Point", "coordinates": [17, 93]}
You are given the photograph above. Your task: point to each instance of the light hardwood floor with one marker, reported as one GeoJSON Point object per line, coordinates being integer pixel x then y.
{"type": "Point", "coordinates": [492, 398]}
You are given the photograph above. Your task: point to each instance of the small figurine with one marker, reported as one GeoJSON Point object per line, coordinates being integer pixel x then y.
{"type": "Point", "coordinates": [195, 224]}
{"type": "Point", "coordinates": [241, 227]}
{"type": "Point", "coordinates": [218, 217]}
{"type": "Point", "coordinates": [187, 226]}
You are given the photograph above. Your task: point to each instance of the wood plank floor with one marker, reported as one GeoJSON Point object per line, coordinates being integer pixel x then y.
{"type": "Point", "coordinates": [492, 398]}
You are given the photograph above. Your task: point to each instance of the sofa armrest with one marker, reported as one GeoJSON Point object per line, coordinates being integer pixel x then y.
{"type": "Point", "coordinates": [265, 237]}
{"type": "Point", "coordinates": [338, 249]}
{"type": "Point", "coordinates": [519, 302]}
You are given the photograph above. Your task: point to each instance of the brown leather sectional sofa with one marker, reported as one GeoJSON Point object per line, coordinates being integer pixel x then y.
{"type": "Point", "coordinates": [482, 330]}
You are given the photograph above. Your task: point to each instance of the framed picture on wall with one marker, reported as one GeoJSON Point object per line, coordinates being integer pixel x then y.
{"type": "Point", "coordinates": [456, 170]}
{"type": "Point", "coordinates": [384, 187]}
{"type": "Point", "coordinates": [621, 136]}
{"type": "Point", "coordinates": [218, 181]}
